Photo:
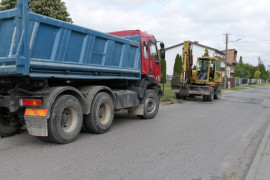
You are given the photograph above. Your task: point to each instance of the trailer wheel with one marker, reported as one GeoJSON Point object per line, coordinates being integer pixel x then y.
{"type": "Point", "coordinates": [150, 104]}
{"type": "Point", "coordinates": [66, 120]}
{"type": "Point", "coordinates": [9, 123]}
{"type": "Point", "coordinates": [101, 114]}
{"type": "Point", "coordinates": [217, 93]}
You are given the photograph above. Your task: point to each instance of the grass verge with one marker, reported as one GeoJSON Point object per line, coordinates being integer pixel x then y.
{"type": "Point", "coordinates": [167, 91]}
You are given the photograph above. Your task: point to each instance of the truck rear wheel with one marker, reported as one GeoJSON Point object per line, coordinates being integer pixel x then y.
{"type": "Point", "coordinates": [9, 123]}
{"type": "Point", "coordinates": [66, 120]}
{"type": "Point", "coordinates": [101, 114]}
{"type": "Point", "coordinates": [150, 104]}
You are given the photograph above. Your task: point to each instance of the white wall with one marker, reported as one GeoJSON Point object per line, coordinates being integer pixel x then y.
{"type": "Point", "coordinates": [198, 51]}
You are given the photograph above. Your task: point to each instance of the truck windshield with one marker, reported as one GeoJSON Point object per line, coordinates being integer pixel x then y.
{"type": "Point", "coordinates": [202, 70]}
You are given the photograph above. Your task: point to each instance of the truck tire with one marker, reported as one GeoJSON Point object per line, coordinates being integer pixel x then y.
{"type": "Point", "coordinates": [217, 93]}
{"type": "Point", "coordinates": [150, 104]}
{"type": "Point", "coordinates": [66, 120]}
{"type": "Point", "coordinates": [101, 114]}
{"type": "Point", "coordinates": [9, 124]}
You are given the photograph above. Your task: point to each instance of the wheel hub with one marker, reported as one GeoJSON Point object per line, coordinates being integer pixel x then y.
{"type": "Point", "coordinates": [101, 112]}
{"type": "Point", "coordinates": [150, 105]}
{"type": "Point", "coordinates": [68, 119]}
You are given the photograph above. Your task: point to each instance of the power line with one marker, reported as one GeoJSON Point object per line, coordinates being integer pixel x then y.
{"type": "Point", "coordinates": [255, 42]}
{"type": "Point", "coordinates": [180, 6]}
{"type": "Point", "coordinates": [171, 8]}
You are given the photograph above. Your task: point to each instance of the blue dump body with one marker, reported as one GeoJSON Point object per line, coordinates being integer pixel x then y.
{"type": "Point", "coordinates": [41, 47]}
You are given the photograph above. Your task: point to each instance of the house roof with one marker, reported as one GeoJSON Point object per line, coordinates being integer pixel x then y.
{"type": "Point", "coordinates": [197, 44]}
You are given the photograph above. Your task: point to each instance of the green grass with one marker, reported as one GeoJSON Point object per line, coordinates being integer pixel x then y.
{"type": "Point", "coordinates": [167, 91]}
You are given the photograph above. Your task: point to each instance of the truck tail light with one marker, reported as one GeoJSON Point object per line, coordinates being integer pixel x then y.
{"type": "Point", "coordinates": [30, 102]}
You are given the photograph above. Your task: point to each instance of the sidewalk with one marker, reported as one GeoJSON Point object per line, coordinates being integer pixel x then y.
{"type": "Point", "coordinates": [260, 167]}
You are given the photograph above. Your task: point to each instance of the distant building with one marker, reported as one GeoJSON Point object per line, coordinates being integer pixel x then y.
{"type": "Point", "coordinates": [198, 51]}
{"type": "Point", "coordinates": [231, 61]}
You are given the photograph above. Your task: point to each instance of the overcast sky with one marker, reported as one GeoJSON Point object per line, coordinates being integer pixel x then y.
{"type": "Point", "coordinates": [174, 21]}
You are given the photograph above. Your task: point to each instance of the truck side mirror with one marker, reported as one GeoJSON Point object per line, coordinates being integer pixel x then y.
{"type": "Point", "coordinates": [162, 50]}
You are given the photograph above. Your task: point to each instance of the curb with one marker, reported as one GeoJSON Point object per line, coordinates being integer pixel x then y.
{"type": "Point", "coordinates": [256, 161]}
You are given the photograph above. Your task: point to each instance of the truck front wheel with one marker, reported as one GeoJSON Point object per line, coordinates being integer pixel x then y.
{"type": "Point", "coordinates": [101, 114]}
{"type": "Point", "coordinates": [150, 104]}
{"type": "Point", "coordinates": [9, 124]}
{"type": "Point", "coordinates": [66, 120]}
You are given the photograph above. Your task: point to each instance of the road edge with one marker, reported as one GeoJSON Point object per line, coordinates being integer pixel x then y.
{"type": "Point", "coordinates": [259, 155]}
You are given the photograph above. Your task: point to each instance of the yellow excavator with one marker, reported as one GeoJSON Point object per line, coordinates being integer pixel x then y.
{"type": "Point", "coordinates": [204, 81]}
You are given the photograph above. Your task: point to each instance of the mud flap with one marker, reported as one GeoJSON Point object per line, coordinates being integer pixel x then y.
{"type": "Point", "coordinates": [36, 126]}
{"type": "Point", "coordinates": [138, 110]}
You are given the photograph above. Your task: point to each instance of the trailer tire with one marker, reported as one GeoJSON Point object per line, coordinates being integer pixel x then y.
{"type": "Point", "coordinates": [150, 104]}
{"type": "Point", "coordinates": [217, 94]}
{"type": "Point", "coordinates": [66, 120]}
{"type": "Point", "coordinates": [9, 124]}
{"type": "Point", "coordinates": [101, 114]}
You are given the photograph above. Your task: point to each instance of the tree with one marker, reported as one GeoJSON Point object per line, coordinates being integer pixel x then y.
{"type": "Point", "coordinates": [241, 60]}
{"type": "Point", "coordinates": [262, 69]}
{"type": "Point", "coordinates": [181, 64]}
{"type": "Point", "coordinates": [52, 8]}
{"type": "Point", "coordinates": [163, 79]}
{"type": "Point", "coordinates": [177, 68]}
{"type": "Point", "coordinates": [257, 74]}
{"type": "Point", "coordinates": [206, 52]}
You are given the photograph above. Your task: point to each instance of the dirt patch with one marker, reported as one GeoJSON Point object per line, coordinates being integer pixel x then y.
{"type": "Point", "coordinates": [167, 102]}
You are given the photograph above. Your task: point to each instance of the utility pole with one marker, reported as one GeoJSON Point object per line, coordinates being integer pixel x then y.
{"type": "Point", "coordinates": [226, 56]}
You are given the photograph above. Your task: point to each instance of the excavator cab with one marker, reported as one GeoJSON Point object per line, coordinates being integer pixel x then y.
{"type": "Point", "coordinates": [208, 70]}
{"type": "Point", "coordinates": [202, 69]}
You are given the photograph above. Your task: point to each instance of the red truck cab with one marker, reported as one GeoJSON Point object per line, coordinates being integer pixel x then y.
{"type": "Point", "coordinates": [150, 60]}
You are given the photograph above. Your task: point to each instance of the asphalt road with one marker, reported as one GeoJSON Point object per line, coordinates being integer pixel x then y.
{"type": "Point", "coordinates": [191, 141]}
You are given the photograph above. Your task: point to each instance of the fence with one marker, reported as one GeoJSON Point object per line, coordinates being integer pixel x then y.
{"type": "Point", "coordinates": [235, 82]}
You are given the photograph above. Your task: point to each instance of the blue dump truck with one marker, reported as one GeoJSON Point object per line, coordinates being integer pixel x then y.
{"type": "Point", "coordinates": [57, 78]}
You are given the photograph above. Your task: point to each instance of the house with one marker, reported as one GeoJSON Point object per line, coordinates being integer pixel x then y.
{"type": "Point", "coordinates": [231, 61]}
{"type": "Point", "coordinates": [198, 51]}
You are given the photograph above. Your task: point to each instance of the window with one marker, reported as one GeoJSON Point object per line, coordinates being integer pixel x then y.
{"type": "Point", "coordinates": [145, 50]}
{"type": "Point", "coordinates": [217, 65]}
{"type": "Point", "coordinates": [202, 70]}
{"type": "Point", "coordinates": [153, 52]}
